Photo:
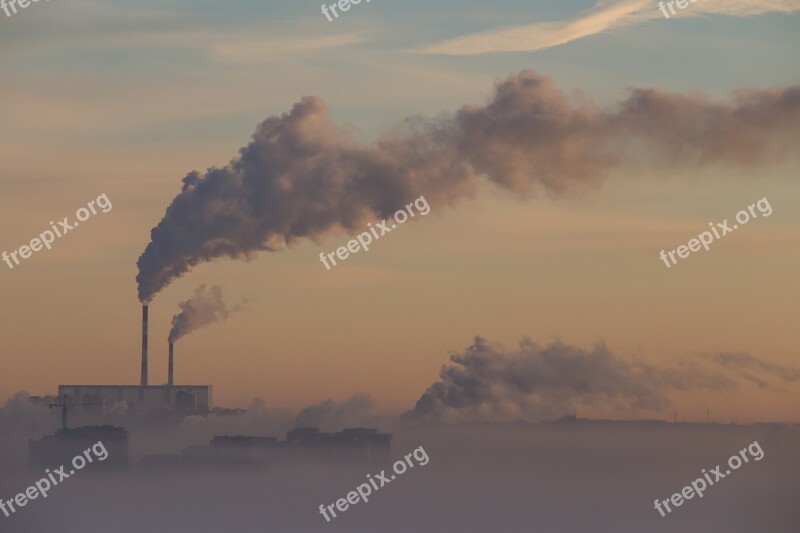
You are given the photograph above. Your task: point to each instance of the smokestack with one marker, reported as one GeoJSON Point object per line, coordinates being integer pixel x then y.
{"type": "Point", "coordinates": [169, 379]}
{"type": "Point", "coordinates": [144, 346]}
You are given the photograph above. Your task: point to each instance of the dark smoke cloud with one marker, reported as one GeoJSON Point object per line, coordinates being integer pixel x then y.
{"type": "Point", "coordinates": [543, 382]}
{"type": "Point", "coordinates": [302, 177]}
{"type": "Point", "coordinates": [203, 308]}
{"type": "Point", "coordinates": [330, 415]}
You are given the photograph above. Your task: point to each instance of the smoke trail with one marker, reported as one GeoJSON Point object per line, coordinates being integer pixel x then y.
{"type": "Point", "coordinates": [302, 177]}
{"type": "Point", "coordinates": [746, 365]}
{"type": "Point", "coordinates": [202, 309]}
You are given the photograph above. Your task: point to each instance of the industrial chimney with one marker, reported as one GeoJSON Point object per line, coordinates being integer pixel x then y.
{"type": "Point", "coordinates": [169, 379]}
{"type": "Point", "coordinates": [144, 346]}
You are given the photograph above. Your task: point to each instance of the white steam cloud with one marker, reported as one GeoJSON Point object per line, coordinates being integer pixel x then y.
{"type": "Point", "coordinates": [205, 307]}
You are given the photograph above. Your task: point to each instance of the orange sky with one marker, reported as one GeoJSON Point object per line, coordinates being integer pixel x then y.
{"type": "Point", "coordinates": [582, 269]}
{"type": "Point", "coordinates": [104, 101]}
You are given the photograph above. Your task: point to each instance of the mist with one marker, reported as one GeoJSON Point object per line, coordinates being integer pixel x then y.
{"type": "Point", "coordinates": [567, 476]}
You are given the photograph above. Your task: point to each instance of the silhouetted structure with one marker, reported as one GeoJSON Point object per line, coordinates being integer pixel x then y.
{"type": "Point", "coordinates": [143, 398]}
{"type": "Point", "coordinates": [351, 443]}
{"type": "Point", "coordinates": [183, 398]}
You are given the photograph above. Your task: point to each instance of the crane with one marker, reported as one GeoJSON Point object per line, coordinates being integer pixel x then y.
{"type": "Point", "coordinates": [65, 407]}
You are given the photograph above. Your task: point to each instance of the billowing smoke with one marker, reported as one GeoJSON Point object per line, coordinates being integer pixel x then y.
{"type": "Point", "coordinates": [333, 416]}
{"type": "Point", "coordinates": [302, 177]}
{"type": "Point", "coordinates": [544, 382]}
{"type": "Point", "coordinates": [203, 308]}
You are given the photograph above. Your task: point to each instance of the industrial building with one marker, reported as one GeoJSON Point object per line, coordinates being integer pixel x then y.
{"type": "Point", "coordinates": [141, 399]}
{"type": "Point", "coordinates": [144, 397]}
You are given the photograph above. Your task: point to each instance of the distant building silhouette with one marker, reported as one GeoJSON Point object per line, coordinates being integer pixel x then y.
{"type": "Point", "coordinates": [310, 443]}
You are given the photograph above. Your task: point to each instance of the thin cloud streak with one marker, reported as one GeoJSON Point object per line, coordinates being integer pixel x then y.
{"type": "Point", "coordinates": [266, 50]}
{"type": "Point", "coordinates": [604, 16]}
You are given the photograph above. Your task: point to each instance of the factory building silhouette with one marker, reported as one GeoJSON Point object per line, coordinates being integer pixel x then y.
{"type": "Point", "coordinates": [97, 401]}
{"type": "Point", "coordinates": [300, 443]}
{"type": "Point", "coordinates": [144, 398]}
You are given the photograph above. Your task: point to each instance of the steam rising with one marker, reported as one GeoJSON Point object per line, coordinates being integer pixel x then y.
{"type": "Point", "coordinates": [302, 177]}
{"type": "Point", "coordinates": [203, 308]}
{"type": "Point", "coordinates": [330, 415]}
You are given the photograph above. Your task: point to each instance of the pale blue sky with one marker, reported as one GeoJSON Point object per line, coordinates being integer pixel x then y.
{"type": "Point", "coordinates": [246, 57]}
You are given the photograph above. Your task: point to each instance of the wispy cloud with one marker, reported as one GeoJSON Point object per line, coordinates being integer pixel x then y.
{"type": "Point", "coordinates": [259, 50]}
{"type": "Point", "coordinates": [91, 25]}
{"type": "Point", "coordinates": [604, 16]}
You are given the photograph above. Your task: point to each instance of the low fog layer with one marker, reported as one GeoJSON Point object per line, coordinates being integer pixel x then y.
{"type": "Point", "coordinates": [495, 462]}
{"type": "Point", "coordinates": [577, 476]}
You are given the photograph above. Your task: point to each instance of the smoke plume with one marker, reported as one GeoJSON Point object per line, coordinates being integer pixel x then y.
{"type": "Point", "coordinates": [302, 177]}
{"type": "Point", "coordinates": [203, 308]}
{"type": "Point", "coordinates": [544, 382]}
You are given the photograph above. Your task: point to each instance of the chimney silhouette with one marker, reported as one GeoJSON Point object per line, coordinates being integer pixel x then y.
{"type": "Point", "coordinates": [171, 362]}
{"type": "Point", "coordinates": [144, 346]}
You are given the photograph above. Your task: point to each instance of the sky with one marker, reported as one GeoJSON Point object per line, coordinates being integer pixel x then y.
{"type": "Point", "coordinates": [126, 100]}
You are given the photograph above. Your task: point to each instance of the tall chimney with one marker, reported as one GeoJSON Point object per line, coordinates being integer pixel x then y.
{"type": "Point", "coordinates": [144, 346]}
{"type": "Point", "coordinates": [169, 379]}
